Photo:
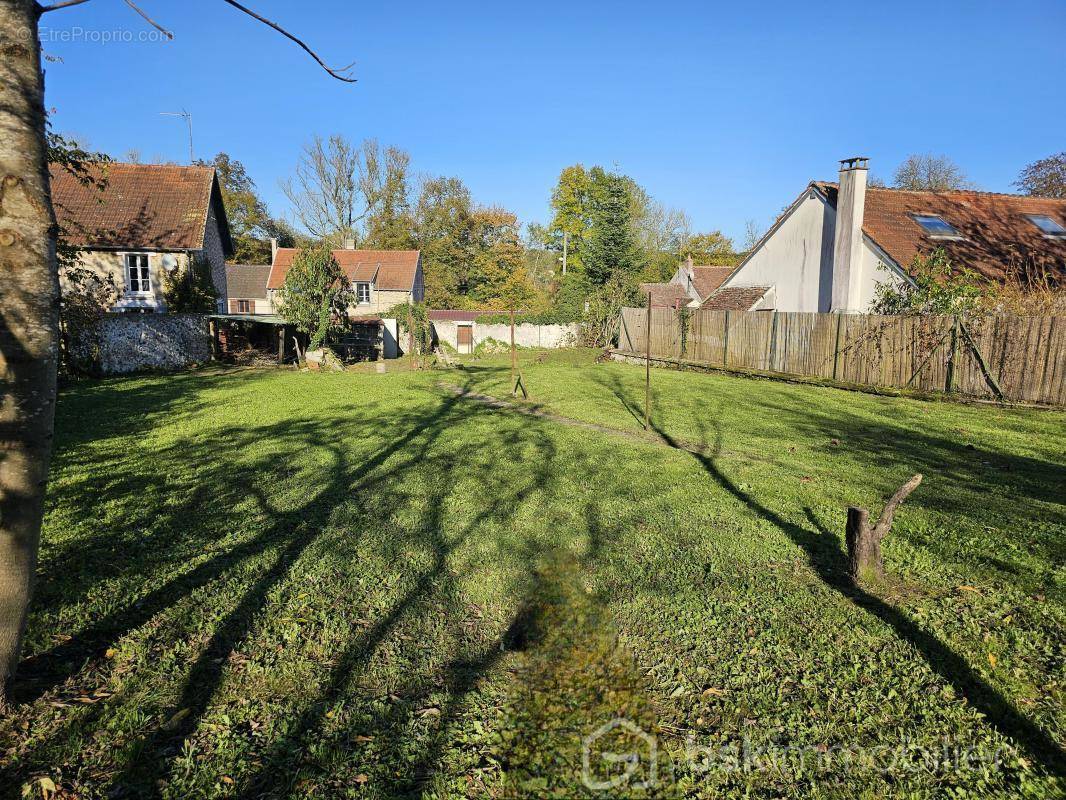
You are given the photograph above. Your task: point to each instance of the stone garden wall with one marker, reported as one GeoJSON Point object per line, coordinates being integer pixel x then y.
{"type": "Point", "coordinates": [131, 342]}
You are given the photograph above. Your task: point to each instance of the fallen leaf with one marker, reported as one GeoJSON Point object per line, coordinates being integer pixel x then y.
{"type": "Point", "coordinates": [710, 690]}
{"type": "Point", "coordinates": [992, 660]}
{"type": "Point", "coordinates": [111, 652]}
{"type": "Point", "coordinates": [968, 589]}
{"type": "Point", "coordinates": [361, 778]}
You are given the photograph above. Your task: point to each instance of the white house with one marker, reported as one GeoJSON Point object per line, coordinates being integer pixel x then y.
{"type": "Point", "coordinates": [837, 241]}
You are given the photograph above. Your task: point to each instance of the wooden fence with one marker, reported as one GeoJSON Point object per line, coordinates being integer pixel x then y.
{"type": "Point", "coordinates": [1011, 358]}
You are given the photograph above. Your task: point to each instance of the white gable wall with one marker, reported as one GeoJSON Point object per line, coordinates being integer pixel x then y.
{"type": "Point", "coordinates": [796, 260]}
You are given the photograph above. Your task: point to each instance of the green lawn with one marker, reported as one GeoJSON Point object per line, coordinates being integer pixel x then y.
{"type": "Point", "coordinates": [270, 583]}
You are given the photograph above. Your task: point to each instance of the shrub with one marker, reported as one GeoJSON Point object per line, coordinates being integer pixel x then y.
{"type": "Point", "coordinates": [191, 290]}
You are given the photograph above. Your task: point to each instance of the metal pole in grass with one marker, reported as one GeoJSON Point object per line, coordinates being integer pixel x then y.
{"type": "Point", "coordinates": [514, 387]}
{"type": "Point", "coordinates": [647, 369]}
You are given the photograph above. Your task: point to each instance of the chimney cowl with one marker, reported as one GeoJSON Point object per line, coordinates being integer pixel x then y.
{"type": "Point", "coordinates": [856, 162]}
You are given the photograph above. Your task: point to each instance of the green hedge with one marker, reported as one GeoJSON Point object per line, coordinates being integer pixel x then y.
{"type": "Point", "coordinates": [552, 317]}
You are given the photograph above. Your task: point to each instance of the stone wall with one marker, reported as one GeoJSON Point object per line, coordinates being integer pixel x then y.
{"type": "Point", "coordinates": [131, 342]}
{"type": "Point", "coordinates": [525, 334]}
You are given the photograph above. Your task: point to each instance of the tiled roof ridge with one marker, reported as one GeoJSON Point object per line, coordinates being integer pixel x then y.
{"type": "Point", "coordinates": [981, 192]}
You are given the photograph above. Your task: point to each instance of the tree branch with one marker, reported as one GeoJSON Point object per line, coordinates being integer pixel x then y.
{"type": "Point", "coordinates": [884, 524]}
{"type": "Point", "coordinates": [150, 21]}
{"type": "Point", "coordinates": [57, 6]}
{"type": "Point", "coordinates": [336, 73]}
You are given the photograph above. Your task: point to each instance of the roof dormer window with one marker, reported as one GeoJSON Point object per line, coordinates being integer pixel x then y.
{"type": "Point", "coordinates": [936, 227]}
{"type": "Point", "coordinates": [1048, 226]}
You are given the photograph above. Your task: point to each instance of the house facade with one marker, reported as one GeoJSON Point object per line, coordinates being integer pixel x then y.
{"type": "Point", "coordinates": [689, 287]}
{"type": "Point", "coordinates": [837, 242]}
{"type": "Point", "coordinates": [380, 279]}
{"type": "Point", "coordinates": [135, 224]}
{"type": "Point", "coordinates": [247, 289]}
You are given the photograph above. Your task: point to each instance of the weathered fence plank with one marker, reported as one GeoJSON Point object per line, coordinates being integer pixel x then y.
{"type": "Point", "coordinates": [1025, 357]}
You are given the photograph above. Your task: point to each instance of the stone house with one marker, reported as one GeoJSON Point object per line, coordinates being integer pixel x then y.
{"type": "Point", "coordinates": [147, 220]}
{"type": "Point", "coordinates": [246, 286]}
{"type": "Point", "coordinates": [837, 242]}
{"type": "Point", "coordinates": [380, 279]}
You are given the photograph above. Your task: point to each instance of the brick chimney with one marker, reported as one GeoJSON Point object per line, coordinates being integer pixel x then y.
{"type": "Point", "coordinates": [349, 244]}
{"type": "Point", "coordinates": [847, 240]}
{"type": "Point", "coordinates": [273, 249]}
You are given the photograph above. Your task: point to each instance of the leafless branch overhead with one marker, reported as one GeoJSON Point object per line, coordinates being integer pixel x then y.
{"type": "Point", "coordinates": [150, 21]}
{"type": "Point", "coordinates": [339, 74]}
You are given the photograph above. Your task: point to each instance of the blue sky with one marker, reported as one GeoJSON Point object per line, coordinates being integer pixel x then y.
{"type": "Point", "coordinates": [725, 110]}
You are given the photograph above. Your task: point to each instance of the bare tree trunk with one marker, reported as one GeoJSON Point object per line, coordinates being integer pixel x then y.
{"type": "Point", "coordinates": [29, 318]}
{"type": "Point", "coordinates": [864, 542]}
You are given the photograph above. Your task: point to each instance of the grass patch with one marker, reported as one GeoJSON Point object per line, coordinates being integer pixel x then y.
{"type": "Point", "coordinates": [273, 583]}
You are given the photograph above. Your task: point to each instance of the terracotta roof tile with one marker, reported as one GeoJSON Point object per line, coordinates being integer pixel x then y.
{"type": "Point", "coordinates": [389, 270]}
{"type": "Point", "coordinates": [735, 298]}
{"type": "Point", "coordinates": [143, 206]}
{"type": "Point", "coordinates": [706, 279]}
{"type": "Point", "coordinates": [665, 295]}
{"type": "Point", "coordinates": [996, 233]}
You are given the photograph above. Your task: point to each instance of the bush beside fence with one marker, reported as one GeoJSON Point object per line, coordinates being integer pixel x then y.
{"type": "Point", "coordinates": [1011, 358]}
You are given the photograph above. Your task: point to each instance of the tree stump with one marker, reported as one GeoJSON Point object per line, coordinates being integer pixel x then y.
{"type": "Point", "coordinates": [864, 541]}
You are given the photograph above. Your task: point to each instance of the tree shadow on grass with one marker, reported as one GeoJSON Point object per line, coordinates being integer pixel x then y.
{"type": "Point", "coordinates": [222, 484]}
{"type": "Point", "coordinates": [829, 563]}
{"type": "Point", "coordinates": [288, 533]}
{"type": "Point", "coordinates": [460, 675]}
{"type": "Point", "coordinates": [409, 449]}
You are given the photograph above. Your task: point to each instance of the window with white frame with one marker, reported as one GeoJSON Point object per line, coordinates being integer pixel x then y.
{"type": "Point", "coordinates": [362, 292]}
{"type": "Point", "coordinates": [138, 280]}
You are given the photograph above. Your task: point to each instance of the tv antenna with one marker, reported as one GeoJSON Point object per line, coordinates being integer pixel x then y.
{"type": "Point", "coordinates": [188, 120]}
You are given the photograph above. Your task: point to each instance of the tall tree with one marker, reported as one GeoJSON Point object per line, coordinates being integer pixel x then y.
{"type": "Point", "coordinates": [496, 275]}
{"type": "Point", "coordinates": [610, 249]}
{"type": "Point", "coordinates": [29, 308]}
{"type": "Point", "coordinates": [1044, 178]}
{"type": "Point", "coordinates": [442, 233]}
{"type": "Point", "coordinates": [929, 173]}
{"type": "Point", "coordinates": [29, 317]}
{"type": "Point", "coordinates": [390, 225]}
{"type": "Point", "coordinates": [251, 226]}
{"type": "Point", "coordinates": [571, 203]}
{"type": "Point", "coordinates": [337, 185]}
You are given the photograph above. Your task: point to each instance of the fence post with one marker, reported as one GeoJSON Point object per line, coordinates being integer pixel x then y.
{"type": "Point", "coordinates": [725, 343]}
{"type": "Point", "coordinates": [950, 384]}
{"type": "Point", "coordinates": [647, 370]}
{"type": "Point", "coordinates": [836, 345]}
{"type": "Point", "coordinates": [773, 343]}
